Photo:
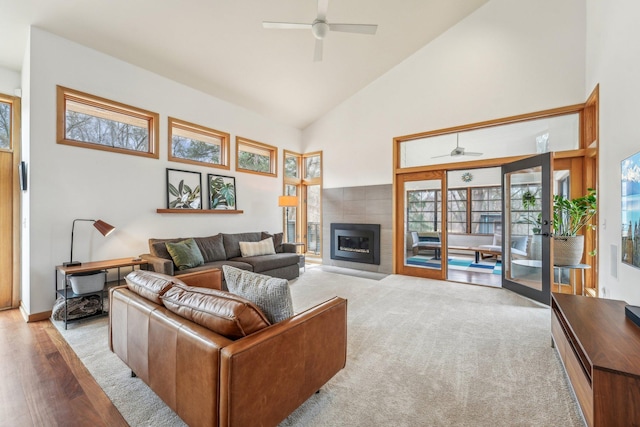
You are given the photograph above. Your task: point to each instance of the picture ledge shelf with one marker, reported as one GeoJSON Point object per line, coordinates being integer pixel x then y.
{"type": "Point", "coordinates": [200, 211]}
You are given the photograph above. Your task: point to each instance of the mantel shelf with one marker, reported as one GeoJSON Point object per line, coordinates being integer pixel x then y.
{"type": "Point", "coordinates": [200, 211]}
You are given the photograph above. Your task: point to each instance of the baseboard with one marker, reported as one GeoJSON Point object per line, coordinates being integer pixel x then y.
{"type": "Point", "coordinates": [36, 317]}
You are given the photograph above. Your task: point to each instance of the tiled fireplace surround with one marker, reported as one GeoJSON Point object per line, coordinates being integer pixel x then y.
{"type": "Point", "coordinates": [359, 205]}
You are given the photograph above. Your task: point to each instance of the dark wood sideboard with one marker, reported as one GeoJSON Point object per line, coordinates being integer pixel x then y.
{"type": "Point", "coordinates": [600, 350]}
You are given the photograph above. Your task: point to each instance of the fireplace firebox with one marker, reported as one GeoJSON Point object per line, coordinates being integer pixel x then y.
{"type": "Point", "coordinates": [356, 243]}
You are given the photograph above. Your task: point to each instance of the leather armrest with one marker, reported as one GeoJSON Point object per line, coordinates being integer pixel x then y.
{"type": "Point", "coordinates": [203, 279]}
{"type": "Point", "coordinates": [268, 374]}
{"type": "Point", "coordinates": [159, 265]}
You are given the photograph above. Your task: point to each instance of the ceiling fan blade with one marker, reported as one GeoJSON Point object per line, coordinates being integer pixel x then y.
{"type": "Point", "coordinates": [323, 5]}
{"type": "Point", "coordinates": [354, 28]}
{"type": "Point", "coordinates": [317, 53]}
{"type": "Point", "coordinates": [471, 153]}
{"type": "Point", "coordinates": [285, 25]}
{"type": "Point", "coordinates": [442, 155]}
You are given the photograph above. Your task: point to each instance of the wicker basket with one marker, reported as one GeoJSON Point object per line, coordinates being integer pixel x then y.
{"type": "Point", "coordinates": [567, 250]}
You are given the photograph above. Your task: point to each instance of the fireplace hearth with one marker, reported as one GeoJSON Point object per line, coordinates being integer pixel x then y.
{"type": "Point", "coordinates": [356, 243]}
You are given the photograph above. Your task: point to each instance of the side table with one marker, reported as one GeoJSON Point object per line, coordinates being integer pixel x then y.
{"type": "Point", "coordinates": [63, 289]}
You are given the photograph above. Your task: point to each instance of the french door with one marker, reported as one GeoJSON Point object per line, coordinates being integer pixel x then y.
{"type": "Point", "coordinates": [421, 213]}
{"type": "Point", "coordinates": [526, 256]}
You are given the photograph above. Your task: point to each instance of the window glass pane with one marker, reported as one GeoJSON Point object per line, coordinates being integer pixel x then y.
{"type": "Point", "coordinates": [421, 210]}
{"type": "Point", "coordinates": [312, 167]}
{"type": "Point", "coordinates": [255, 156]}
{"type": "Point", "coordinates": [291, 166]}
{"type": "Point", "coordinates": [457, 210]}
{"type": "Point", "coordinates": [486, 210]}
{"type": "Point", "coordinates": [197, 143]}
{"type": "Point", "coordinates": [254, 162]}
{"type": "Point", "coordinates": [5, 125]}
{"type": "Point", "coordinates": [313, 219]}
{"type": "Point", "coordinates": [290, 215]}
{"type": "Point", "coordinates": [95, 125]}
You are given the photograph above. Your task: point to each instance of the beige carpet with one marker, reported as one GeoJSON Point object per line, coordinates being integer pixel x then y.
{"type": "Point", "coordinates": [421, 353]}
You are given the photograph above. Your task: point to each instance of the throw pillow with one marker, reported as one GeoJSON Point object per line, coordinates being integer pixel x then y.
{"type": "Point", "coordinates": [263, 247]}
{"type": "Point", "coordinates": [185, 254]}
{"type": "Point", "coordinates": [219, 311]}
{"type": "Point", "coordinates": [277, 240]}
{"type": "Point", "coordinates": [270, 294]}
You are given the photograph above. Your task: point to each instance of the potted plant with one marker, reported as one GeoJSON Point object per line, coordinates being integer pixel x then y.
{"type": "Point", "coordinates": [569, 217]}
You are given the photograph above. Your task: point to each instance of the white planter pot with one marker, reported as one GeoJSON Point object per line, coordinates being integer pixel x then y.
{"type": "Point", "coordinates": [567, 250]}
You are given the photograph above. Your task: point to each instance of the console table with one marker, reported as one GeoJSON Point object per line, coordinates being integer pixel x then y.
{"type": "Point", "coordinates": [64, 290]}
{"type": "Point", "coordinates": [600, 351]}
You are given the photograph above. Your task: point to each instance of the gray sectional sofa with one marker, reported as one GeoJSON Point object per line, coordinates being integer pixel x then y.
{"type": "Point", "coordinates": [224, 249]}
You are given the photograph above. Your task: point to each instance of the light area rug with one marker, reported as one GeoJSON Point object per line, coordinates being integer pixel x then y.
{"type": "Point", "coordinates": [464, 264]}
{"type": "Point", "coordinates": [420, 353]}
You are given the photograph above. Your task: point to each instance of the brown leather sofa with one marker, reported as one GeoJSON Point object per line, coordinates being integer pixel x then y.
{"type": "Point", "coordinates": [210, 379]}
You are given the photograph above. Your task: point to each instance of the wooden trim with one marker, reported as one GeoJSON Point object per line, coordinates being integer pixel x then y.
{"type": "Point", "coordinates": [273, 156]}
{"type": "Point", "coordinates": [17, 233]}
{"type": "Point", "coordinates": [561, 111]}
{"type": "Point", "coordinates": [225, 144]}
{"type": "Point", "coordinates": [200, 211]}
{"type": "Point", "coordinates": [153, 120]}
{"type": "Point", "coordinates": [591, 160]}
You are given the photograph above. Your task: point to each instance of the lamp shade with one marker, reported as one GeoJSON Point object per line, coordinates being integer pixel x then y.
{"type": "Point", "coordinates": [103, 227]}
{"type": "Point", "coordinates": [287, 201]}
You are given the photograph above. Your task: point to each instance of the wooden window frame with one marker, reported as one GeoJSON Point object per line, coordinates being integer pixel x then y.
{"type": "Point", "coordinates": [294, 182]}
{"type": "Point", "coordinates": [64, 94]}
{"type": "Point", "coordinates": [273, 156]}
{"type": "Point", "coordinates": [206, 132]}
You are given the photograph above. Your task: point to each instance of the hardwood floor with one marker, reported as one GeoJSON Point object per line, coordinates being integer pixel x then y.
{"type": "Point", "coordinates": [44, 382]}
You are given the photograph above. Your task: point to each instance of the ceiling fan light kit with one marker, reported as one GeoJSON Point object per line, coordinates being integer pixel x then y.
{"type": "Point", "coordinates": [320, 28]}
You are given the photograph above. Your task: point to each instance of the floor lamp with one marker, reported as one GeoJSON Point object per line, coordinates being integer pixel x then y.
{"type": "Point", "coordinates": [287, 202]}
{"type": "Point", "coordinates": [104, 228]}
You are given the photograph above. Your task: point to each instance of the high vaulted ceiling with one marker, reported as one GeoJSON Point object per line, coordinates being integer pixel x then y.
{"type": "Point", "coordinates": [221, 48]}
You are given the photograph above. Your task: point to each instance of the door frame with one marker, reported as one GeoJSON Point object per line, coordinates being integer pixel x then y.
{"type": "Point", "coordinates": [13, 246]}
{"type": "Point", "coordinates": [399, 225]}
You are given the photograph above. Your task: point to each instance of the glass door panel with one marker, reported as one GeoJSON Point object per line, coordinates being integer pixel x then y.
{"type": "Point", "coordinates": [313, 235]}
{"type": "Point", "coordinates": [526, 231]}
{"type": "Point", "coordinates": [422, 210]}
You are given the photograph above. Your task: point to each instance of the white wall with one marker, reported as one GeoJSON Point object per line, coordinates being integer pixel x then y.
{"type": "Point", "coordinates": [507, 58]}
{"type": "Point", "coordinates": [70, 182]}
{"type": "Point", "coordinates": [9, 81]}
{"type": "Point", "coordinates": [613, 61]}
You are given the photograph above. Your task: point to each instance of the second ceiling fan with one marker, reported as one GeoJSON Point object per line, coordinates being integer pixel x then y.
{"type": "Point", "coordinates": [320, 27]}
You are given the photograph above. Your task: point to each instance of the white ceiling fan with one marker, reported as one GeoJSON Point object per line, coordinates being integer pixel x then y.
{"type": "Point", "coordinates": [320, 27]}
{"type": "Point", "coordinates": [459, 151]}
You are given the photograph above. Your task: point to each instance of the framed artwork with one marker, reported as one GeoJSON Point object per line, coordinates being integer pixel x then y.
{"type": "Point", "coordinates": [631, 210]}
{"type": "Point", "coordinates": [183, 189]}
{"type": "Point", "coordinates": [222, 192]}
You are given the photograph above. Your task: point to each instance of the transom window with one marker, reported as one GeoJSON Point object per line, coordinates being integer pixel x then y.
{"type": "Point", "coordinates": [195, 144]}
{"type": "Point", "coordinates": [89, 121]}
{"type": "Point", "coordinates": [5, 125]}
{"type": "Point", "coordinates": [256, 157]}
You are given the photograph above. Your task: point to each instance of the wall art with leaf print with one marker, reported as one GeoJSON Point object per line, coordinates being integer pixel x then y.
{"type": "Point", "coordinates": [222, 192]}
{"type": "Point", "coordinates": [183, 189]}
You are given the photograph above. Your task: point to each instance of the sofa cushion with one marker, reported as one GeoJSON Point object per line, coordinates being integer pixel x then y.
{"type": "Point", "coordinates": [232, 242]}
{"type": "Point", "coordinates": [149, 284]}
{"type": "Point", "coordinates": [157, 247]}
{"type": "Point", "coordinates": [269, 262]}
{"type": "Point", "coordinates": [212, 248]}
{"type": "Point", "coordinates": [185, 254]}
{"type": "Point", "coordinates": [222, 312]}
{"type": "Point", "coordinates": [263, 247]}
{"type": "Point", "coordinates": [277, 240]}
{"type": "Point", "coordinates": [271, 294]}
